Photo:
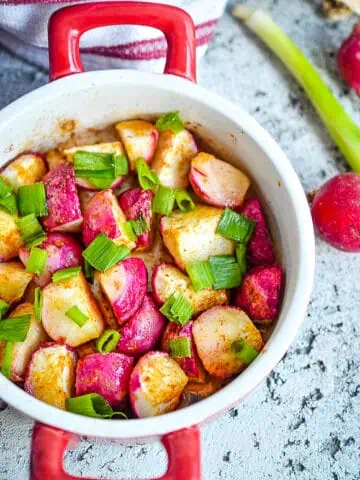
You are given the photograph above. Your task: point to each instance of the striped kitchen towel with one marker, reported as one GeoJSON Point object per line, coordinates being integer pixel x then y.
{"type": "Point", "coordinates": [23, 31]}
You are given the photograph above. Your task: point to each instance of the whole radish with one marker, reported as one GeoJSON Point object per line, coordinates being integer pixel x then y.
{"type": "Point", "coordinates": [336, 212]}
{"type": "Point", "coordinates": [349, 59]}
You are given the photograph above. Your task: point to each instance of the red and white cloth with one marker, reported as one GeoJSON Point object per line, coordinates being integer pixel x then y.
{"type": "Point", "coordinates": [23, 30]}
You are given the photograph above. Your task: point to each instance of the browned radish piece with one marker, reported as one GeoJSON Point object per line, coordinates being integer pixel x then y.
{"type": "Point", "coordinates": [143, 330]}
{"type": "Point", "coordinates": [29, 295]}
{"type": "Point", "coordinates": [259, 294]}
{"type": "Point", "coordinates": [54, 158]}
{"type": "Point", "coordinates": [104, 304]}
{"type": "Point", "coordinates": [58, 298]}
{"type": "Point", "coordinates": [139, 139]}
{"type": "Point", "coordinates": [22, 351]}
{"type": "Point", "coordinates": [156, 385]}
{"type": "Point", "coordinates": [191, 365]}
{"type": "Point", "coordinates": [50, 376]}
{"type": "Point", "coordinates": [216, 182]}
{"type": "Point", "coordinates": [167, 279]}
{"type": "Point", "coordinates": [136, 203]}
{"type": "Point", "coordinates": [86, 349]}
{"type": "Point", "coordinates": [63, 252]}
{"type": "Point", "coordinates": [106, 374]}
{"type": "Point", "coordinates": [203, 390]}
{"type": "Point", "coordinates": [13, 281]}
{"type": "Point", "coordinates": [214, 332]}
{"type": "Point", "coordinates": [112, 147]}
{"type": "Point", "coordinates": [103, 215]}
{"type": "Point", "coordinates": [26, 169]}
{"type": "Point", "coordinates": [85, 196]}
{"type": "Point", "coordinates": [191, 236]}
{"type": "Point", "coordinates": [173, 158]}
{"type": "Point", "coordinates": [62, 200]}
{"type": "Point", "coordinates": [10, 238]}
{"type": "Point", "coordinates": [125, 287]}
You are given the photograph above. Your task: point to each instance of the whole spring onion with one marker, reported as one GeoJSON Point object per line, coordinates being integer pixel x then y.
{"type": "Point", "coordinates": [37, 261]}
{"type": "Point", "coordinates": [147, 178]}
{"type": "Point", "coordinates": [66, 273]}
{"type": "Point", "coordinates": [164, 200]}
{"type": "Point", "coordinates": [77, 316]}
{"type": "Point", "coordinates": [103, 253]}
{"type": "Point", "coordinates": [179, 347]}
{"type": "Point", "coordinates": [200, 275]}
{"type": "Point", "coordinates": [177, 309]}
{"type": "Point", "coordinates": [244, 351]}
{"type": "Point", "coordinates": [342, 128]}
{"type": "Point", "coordinates": [108, 341]}
{"type": "Point", "coordinates": [170, 121]}
{"type": "Point", "coordinates": [31, 231]}
{"type": "Point", "coordinates": [4, 307]}
{"type": "Point", "coordinates": [15, 329]}
{"type": "Point", "coordinates": [32, 199]}
{"type": "Point", "coordinates": [38, 303]}
{"type": "Point", "coordinates": [7, 360]}
{"type": "Point", "coordinates": [91, 405]}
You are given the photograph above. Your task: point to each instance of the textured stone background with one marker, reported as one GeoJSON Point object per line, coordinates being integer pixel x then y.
{"type": "Point", "coordinates": [303, 421]}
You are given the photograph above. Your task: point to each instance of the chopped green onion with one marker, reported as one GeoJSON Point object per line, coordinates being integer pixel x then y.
{"type": "Point", "coordinates": [221, 259]}
{"type": "Point", "coordinates": [15, 329]}
{"type": "Point", "coordinates": [103, 253]}
{"type": "Point", "coordinates": [128, 229]}
{"type": "Point", "coordinates": [92, 161]}
{"type": "Point", "coordinates": [121, 165]}
{"type": "Point", "coordinates": [89, 271]}
{"type": "Point", "coordinates": [235, 226]}
{"type": "Point", "coordinates": [37, 261]}
{"type": "Point", "coordinates": [200, 274]}
{"type": "Point", "coordinates": [241, 256]}
{"type": "Point", "coordinates": [139, 226]}
{"type": "Point", "coordinates": [102, 183]}
{"type": "Point", "coordinates": [177, 309]}
{"type": "Point", "coordinates": [5, 189]}
{"type": "Point", "coordinates": [91, 405]}
{"type": "Point", "coordinates": [147, 178]}
{"type": "Point", "coordinates": [164, 200]}
{"type": "Point", "coordinates": [32, 199]}
{"type": "Point", "coordinates": [9, 204]}
{"type": "Point", "coordinates": [96, 174]}
{"type": "Point", "coordinates": [108, 341]}
{"type": "Point", "coordinates": [184, 201]}
{"type": "Point", "coordinates": [226, 273]}
{"type": "Point", "coordinates": [170, 121]}
{"type": "Point", "coordinates": [244, 351]}
{"type": "Point", "coordinates": [38, 303]}
{"type": "Point", "coordinates": [4, 307]}
{"type": "Point", "coordinates": [179, 347]}
{"type": "Point", "coordinates": [65, 274]}
{"type": "Point", "coordinates": [7, 360]}
{"type": "Point", "coordinates": [77, 316]}
{"type": "Point", "coordinates": [31, 231]}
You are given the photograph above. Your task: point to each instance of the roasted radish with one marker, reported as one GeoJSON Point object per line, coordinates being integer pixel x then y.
{"type": "Point", "coordinates": [26, 169]}
{"type": "Point", "coordinates": [13, 281]}
{"type": "Point", "coordinates": [10, 238]}
{"type": "Point", "coordinates": [103, 303]}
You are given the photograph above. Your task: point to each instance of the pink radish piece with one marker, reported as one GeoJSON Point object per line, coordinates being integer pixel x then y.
{"type": "Point", "coordinates": [216, 182]}
{"type": "Point", "coordinates": [13, 281]}
{"type": "Point", "coordinates": [125, 286]}
{"type": "Point", "coordinates": [63, 252]}
{"type": "Point", "coordinates": [103, 215]}
{"type": "Point", "coordinates": [62, 200]}
{"type": "Point", "coordinates": [259, 294]}
{"type": "Point", "coordinates": [26, 169]}
{"type": "Point", "coordinates": [106, 374]}
{"type": "Point", "coordinates": [136, 203]}
{"type": "Point", "coordinates": [10, 238]}
{"type": "Point", "coordinates": [214, 332]}
{"type": "Point", "coordinates": [259, 250]}
{"type": "Point", "coordinates": [139, 139]}
{"type": "Point", "coordinates": [143, 330]}
{"type": "Point", "coordinates": [336, 212]}
{"type": "Point", "coordinates": [50, 376]}
{"type": "Point", "coordinates": [348, 59]}
{"type": "Point", "coordinates": [156, 385]}
{"type": "Point", "coordinates": [191, 365]}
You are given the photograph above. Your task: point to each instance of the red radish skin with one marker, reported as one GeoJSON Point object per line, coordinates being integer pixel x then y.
{"type": "Point", "coordinates": [63, 252]}
{"type": "Point", "coordinates": [259, 294]}
{"type": "Point", "coordinates": [136, 203]}
{"type": "Point", "coordinates": [143, 330]}
{"type": "Point", "coordinates": [62, 201]}
{"type": "Point", "coordinates": [106, 374]}
{"type": "Point", "coordinates": [259, 250]}
{"type": "Point", "coordinates": [336, 212]}
{"type": "Point", "coordinates": [348, 59]}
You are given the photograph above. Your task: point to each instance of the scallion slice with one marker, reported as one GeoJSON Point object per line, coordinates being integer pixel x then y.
{"type": "Point", "coordinates": [164, 200]}
{"type": "Point", "coordinates": [31, 231]}
{"type": "Point", "coordinates": [92, 161]}
{"type": "Point", "coordinates": [103, 253]}
{"type": "Point", "coordinates": [37, 261]}
{"type": "Point", "coordinates": [5, 189]}
{"type": "Point", "coordinates": [96, 174]}
{"type": "Point", "coordinates": [241, 256]}
{"type": "Point", "coordinates": [7, 360]}
{"type": "Point", "coordinates": [179, 347]}
{"type": "Point", "coordinates": [226, 273]}
{"type": "Point", "coordinates": [77, 316]}
{"type": "Point", "coordinates": [177, 309]}
{"type": "Point", "coordinates": [88, 271]}
{"type": "Point", "coordinates": [4, 307]}
{"type": "Point", "coordinates": [244, 351]}
{"type": "Point", "coordinates": [147, 178]}
{"type": "Point", "coordinates": [91, 405]}
{"type": "Point", "coordinates": [38, 303]}
{"type": "Point", "coordinates": [121, 165]}
{"type": "Point", "coordinates": [235, 226]}
{"type": "Point", "coordinates": [170, 121]}
{"type": "Point", "coordinates": [200, 274]}
{"type": "Point", "coordinates": [139, 226]}
{"type": "Point", "coordinates": [65, 274]}
{"type": "Point", "coordinates": [221, 259]}
{"type": "Point", "coordinates": [128, 229]}
{"type": "Point", "coordinates": [9, 204]}
{"type": "Point", "coordinates": [102, 183]}
{"type": "Point", "coordinates": [15, 329]}
{"type": "Point", "coordinates": [32, 199]}
{"type": "Point", "coordinates": [108, 341]}
{"type": "Point", "coordinates": [184, 201]}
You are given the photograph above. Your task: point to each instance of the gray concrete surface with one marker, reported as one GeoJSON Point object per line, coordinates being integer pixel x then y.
{"type": "Point", "coordinates": [303, 421]}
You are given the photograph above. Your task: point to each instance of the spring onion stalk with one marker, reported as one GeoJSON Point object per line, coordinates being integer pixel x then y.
{"type": "Point", "coordinates": [65, 274]}
{"type": "Point", "coordinates": [342, 128]}
{"type": "Point", "coordinates": [7, 360]}
{"type": "Point", "coordinates": [170, 121]}
{"type": "Point", "coordinates": [4, 307]}
{"type": "Point", "coordinates": [32, 199]}
{"type": "Point", "coordinates": [77, 316]}
{"type": "Point", "coordinates": [179, 347]}
{"type": "Point", "coordinates": [241, 256]}
{"type": "Point", "coordinates": [164, 200]}
{"type": "Point", "coordinates": [128, 229]}
{"type": "Point", "coordinates": [177, 309]}
{"type": "Point", "coordinates": [5, 189]}
{"type": "Point", "coordinates": [9, 204]}
{"type": "Point", "coordinates": [244, 351]}
{"type": "Point", "coordinates": [31, 231]}
{"type": "Point", "coordinates": [183, 200]}
{"type": "Point", "coordinates": [226, 273]}
{"type": "Point", "coordinates": [93, 161]}
{"type": "Point", "coordinates": [121, 165]}
{"type": "Point", "coordinates": [147, 178]}
{"type": "Point", "coordinates": [139, 226]}
{"type": "Point", "coordinates": [91, 405]}
{"type": "Point", "coordinates": [235, 226]}
{"type": "Point", "coordinates": [103, 253]}
{"type": "Point", "coordinates": [15, 329]}
{"type": "Point", "coordinates": [200, 275]}
{"type": "Point", "coordinates": [108, 341]}
{"type": "Point", "coordinates": [88, 271]}
{"type": "Point", "coordinates": [38, 303]}
{"type": "Point", "coordinates": [37, 261]}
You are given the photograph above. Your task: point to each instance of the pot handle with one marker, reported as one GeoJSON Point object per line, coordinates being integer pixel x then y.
{"type": "Point", "coordinates": [49, 444]}
{"type": "Point", "coordinates": [68, 24]}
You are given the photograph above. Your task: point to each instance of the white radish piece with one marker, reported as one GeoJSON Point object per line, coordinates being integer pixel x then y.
{"type": "Point", "coordinates": [10, 238]}
{"type": "Point", "coordinates": [13, 281]}
{"type": "Point", "coordinates": [26, 169]}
